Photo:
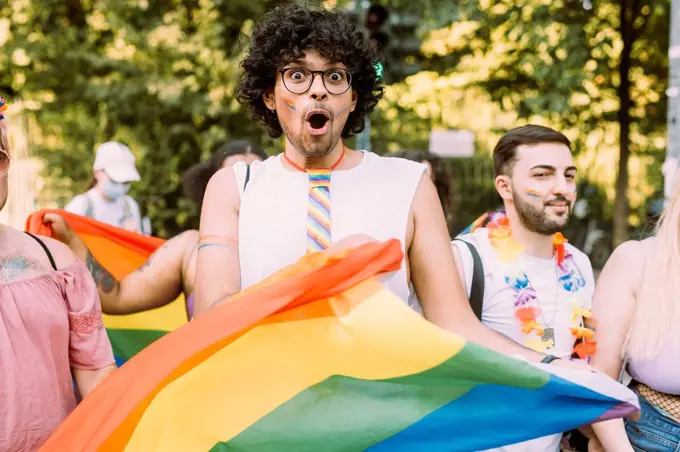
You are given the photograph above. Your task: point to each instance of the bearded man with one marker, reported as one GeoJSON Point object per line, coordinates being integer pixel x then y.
{"type": "Point", "coordinates": [309, 75]}
{"type": "Point", "coordinates": [531, 285]}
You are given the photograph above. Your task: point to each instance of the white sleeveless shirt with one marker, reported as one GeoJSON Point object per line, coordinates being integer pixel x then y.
{"type": "Point", "coordinates": [373, 198]}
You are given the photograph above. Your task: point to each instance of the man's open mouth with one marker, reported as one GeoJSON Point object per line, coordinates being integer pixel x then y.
{"type": "Point", "coordinates": [317, 119]}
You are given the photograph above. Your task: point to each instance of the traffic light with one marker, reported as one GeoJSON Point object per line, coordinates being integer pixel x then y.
{"type": "Point", "coordinates": [376, 23]}
{"type": "Point", "coordinates": [395, 37]}
{"type": "Point", "coordinates": [404, 49]}
{"type": "Point", "coordinates": [379, 69]}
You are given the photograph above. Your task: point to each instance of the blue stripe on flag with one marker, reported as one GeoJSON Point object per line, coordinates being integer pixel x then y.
{"type": "Point", "coordinates": [119, 361]}
{"type": "Point", "coordinates": [461, 424]}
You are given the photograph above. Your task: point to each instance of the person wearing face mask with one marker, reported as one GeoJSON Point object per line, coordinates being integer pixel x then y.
{"type": "Point", "coordinates": [106, 199]}
{"type": "Point", "coordinates": [171, 270]}
{"type": "Point", "coordinates": [53, 339]}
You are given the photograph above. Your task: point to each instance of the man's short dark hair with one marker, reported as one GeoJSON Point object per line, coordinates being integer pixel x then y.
{"type": "Point", "coordinates": [505, 152]}
{"type": "Point", "coordinates": [283, 35]}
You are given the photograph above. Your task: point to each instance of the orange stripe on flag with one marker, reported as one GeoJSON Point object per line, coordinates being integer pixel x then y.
{"type": "Point", "coordinates": [122, 398]}
{"type": "Point", "coordinates": [138, 243]}
{"type": "Point", "coordinates": [121, 252]}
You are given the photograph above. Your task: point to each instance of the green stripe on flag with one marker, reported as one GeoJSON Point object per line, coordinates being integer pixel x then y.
{"type": "Point", "coordinates": [127, 343]}
{"type": "Point", "coordinates": [353, 414]}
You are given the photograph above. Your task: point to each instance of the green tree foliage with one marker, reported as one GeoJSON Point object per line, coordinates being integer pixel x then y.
{"type": "Point", "coordinates": [158, 75]}
{"type": "Point", "coordinates": [550, 62]}
{"type": "Point", "coordinates": [597, 72]}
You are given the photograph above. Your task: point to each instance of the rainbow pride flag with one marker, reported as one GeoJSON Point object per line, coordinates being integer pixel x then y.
{"type": "Point", "coordinates": [478, 223]}
{"type": "Point", "coordinates": [322, 357]}
{"type": "Point", "coordinates": [120, 252]}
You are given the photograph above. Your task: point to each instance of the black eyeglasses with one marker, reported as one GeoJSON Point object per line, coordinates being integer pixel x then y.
{"type": "Point", "coordinates": [298, 80]}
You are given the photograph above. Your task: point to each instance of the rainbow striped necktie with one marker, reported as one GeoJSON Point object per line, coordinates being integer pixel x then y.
{"type": "Point", "coordinates": [319, 210]}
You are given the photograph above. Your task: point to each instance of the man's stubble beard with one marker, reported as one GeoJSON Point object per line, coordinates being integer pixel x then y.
{"type": "Point", "coordinates": [315, 152]}
{"type": "Point", "coordinates": [536, 220]}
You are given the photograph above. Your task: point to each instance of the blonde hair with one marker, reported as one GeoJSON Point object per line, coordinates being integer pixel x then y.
{"type": "Point", "coordinates": [656, 320]}
{"type": "Point", "coordinates": [4, 136]}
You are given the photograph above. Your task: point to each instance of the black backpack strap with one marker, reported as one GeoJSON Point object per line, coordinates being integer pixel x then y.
{"type": "Point", "coordinates": [477, 289]}
{"type": "Point", "coordinates": [47, 251]}
{"type": "Point", "coordinates": [245, 184]}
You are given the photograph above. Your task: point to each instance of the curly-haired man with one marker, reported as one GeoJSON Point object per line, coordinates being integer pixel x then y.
{"type": "Point", "coordinates": [310, 76]}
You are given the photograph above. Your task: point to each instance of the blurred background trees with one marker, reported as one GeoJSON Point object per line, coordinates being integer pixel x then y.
{"type": "Point", "coordinates": [160, 76]}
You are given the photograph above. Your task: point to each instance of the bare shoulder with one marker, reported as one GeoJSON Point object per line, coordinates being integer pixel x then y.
{"type": "Point", "coordinates": [62, 254]}
{"type": "Point", "coordinates": [402, 163]}
{"type": "Point", "coordinates": [426, 206]}
{"type": "Point", "coordinates": [222, 192]}
{"type": "Point", "coordinates": [627, 262]}
{"type": "Point", "coordinates": [427, 224]}
{"type": "Point", "coordinates": [223, 181]}
{"type": "Point", "coordinates": [426, 195]}
{"type": "Point", "coordinates": [631, 252]}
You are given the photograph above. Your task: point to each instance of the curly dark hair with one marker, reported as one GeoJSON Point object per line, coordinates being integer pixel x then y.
{"type": "Point", "coordinates": [284, 35]}
{"type": "Point", "coordinates": [195, 179]}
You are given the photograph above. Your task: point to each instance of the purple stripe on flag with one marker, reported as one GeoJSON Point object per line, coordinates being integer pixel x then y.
{"type": "Point", "coordinates": [621, 410]}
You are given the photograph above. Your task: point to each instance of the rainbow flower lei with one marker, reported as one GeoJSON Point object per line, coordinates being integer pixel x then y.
{"type": "Point", "coordinates": [526, 309]}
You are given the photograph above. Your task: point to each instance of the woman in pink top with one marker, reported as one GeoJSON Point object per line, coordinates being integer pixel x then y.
{"type": "Point", "coordinates": [171, 270]}
{"type": "Point", "coordinates": [637, 309]}
{"type": "Point", "coordinates": [50, 331]}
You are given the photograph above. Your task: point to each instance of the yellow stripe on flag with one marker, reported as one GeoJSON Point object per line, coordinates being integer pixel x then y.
{"type": "Point", "coordinates": [283, 358]}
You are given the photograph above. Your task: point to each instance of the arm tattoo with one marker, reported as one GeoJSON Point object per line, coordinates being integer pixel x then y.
{"type": "Point", "coordinates": [104, 280]}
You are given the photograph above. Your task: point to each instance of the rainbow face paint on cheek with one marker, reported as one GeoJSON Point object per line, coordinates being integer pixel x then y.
{"type": "Point", "coordinates": [534, 193]}
{"type": "Point", "coordinates": [290, 104]}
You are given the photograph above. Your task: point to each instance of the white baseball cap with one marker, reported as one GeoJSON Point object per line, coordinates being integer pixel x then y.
{"type": "Point", "coordinates": [118, 161]}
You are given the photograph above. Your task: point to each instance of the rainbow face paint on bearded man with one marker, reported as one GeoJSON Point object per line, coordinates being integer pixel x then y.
{"type": "Point", "coordinates": [534, 193]}
{"type": "Point", "coordinates": [542, 183]}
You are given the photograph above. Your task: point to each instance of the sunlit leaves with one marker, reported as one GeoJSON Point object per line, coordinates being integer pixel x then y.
{"type": "Point", "coordinates": [158, 75]}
